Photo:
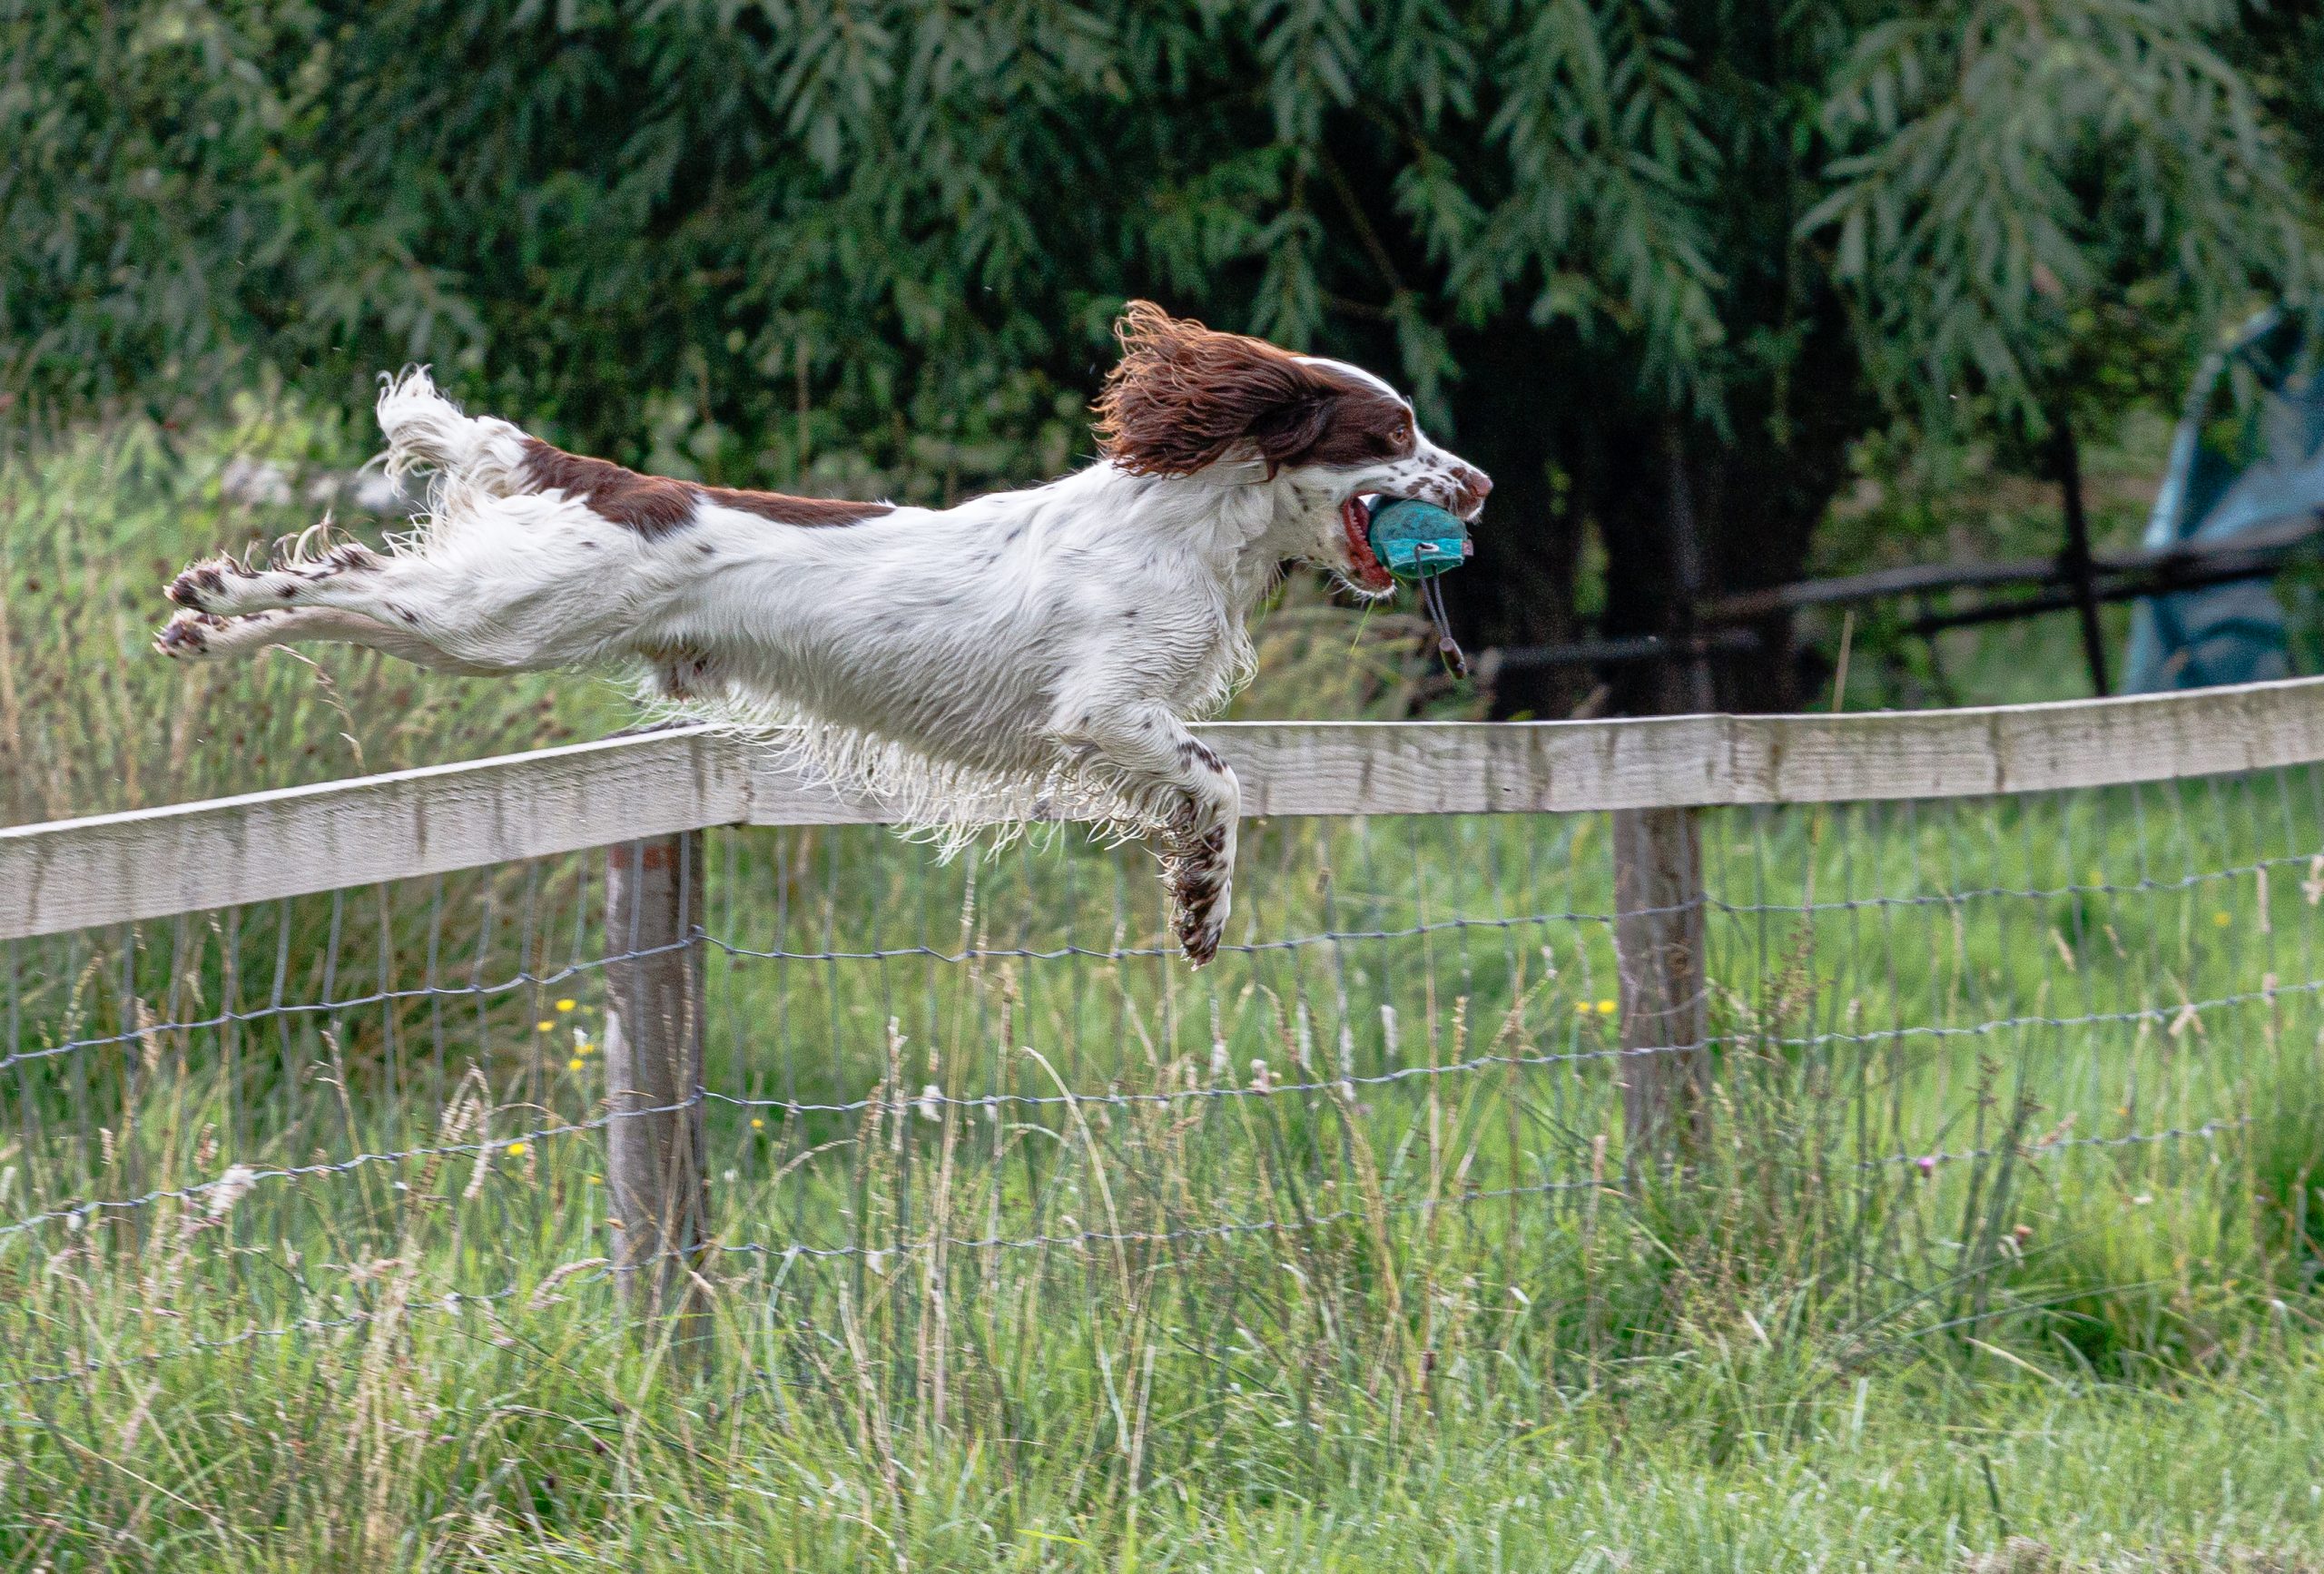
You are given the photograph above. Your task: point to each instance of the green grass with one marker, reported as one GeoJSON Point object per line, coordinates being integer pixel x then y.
{"type": "Point", "coordinates": [1081, 1432]}
{"type": "Point", "coordinates": [1433, 1315]}
{"type": "Point", "coordinates": [1665, 1368]}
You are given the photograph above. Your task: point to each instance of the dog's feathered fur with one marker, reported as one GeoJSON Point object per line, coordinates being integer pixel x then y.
{"type": "Point", "coordinates": [1027, 653]}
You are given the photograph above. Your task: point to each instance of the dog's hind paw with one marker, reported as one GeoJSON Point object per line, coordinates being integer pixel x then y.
{"type": "Point", "coordinates": [202, 586]}
{"type": "Point", "coordinates": [187, 636]}
{"type": "Point", "coordinates": [204, 636]}
{"type": "Point", "coordinates": [221, 585]}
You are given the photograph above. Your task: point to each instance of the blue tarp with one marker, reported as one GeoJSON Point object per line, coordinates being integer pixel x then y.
{"type": "Point", "coordinates": [2236, 466]}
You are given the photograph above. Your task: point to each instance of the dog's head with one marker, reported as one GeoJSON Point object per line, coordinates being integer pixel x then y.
{"type": "Point", "coordinates": [1322, 434]}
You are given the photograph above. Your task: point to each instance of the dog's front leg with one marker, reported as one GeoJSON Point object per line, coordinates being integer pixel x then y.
{"type": "Point", "coordinates": [1154, 755]}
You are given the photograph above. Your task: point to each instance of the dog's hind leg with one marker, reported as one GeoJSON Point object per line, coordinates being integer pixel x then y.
{"type": "Point", "coordinates": [199, 636]}
{"type": "Point", "coordinates": [224, 587]}
{"type": "Point", "coordinates": [406, 603]}
{"type": "Point", "coordinates": [489, 595]}
{"type": "Point", "coordinates": [1161, 765]}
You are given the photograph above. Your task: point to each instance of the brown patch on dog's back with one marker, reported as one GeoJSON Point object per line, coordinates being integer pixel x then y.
{"type": "Point", "coordinates": [654, 505]}
{"type": "Point", "coordinates": [1183, 395]}
{"type": "Point", "coordinates": [785, 509]}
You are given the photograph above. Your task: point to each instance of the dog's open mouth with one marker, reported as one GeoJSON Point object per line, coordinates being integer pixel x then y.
{"type": "Point", "coordinates": [1363, 565]}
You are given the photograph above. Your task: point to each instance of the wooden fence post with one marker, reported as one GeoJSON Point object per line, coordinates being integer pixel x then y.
{"type": "Point", "coordinates": [654, 1162]}
{"type": "Point", "coordinates": [1659, 948]}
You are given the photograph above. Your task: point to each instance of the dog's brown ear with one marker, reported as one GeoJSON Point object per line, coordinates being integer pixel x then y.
{"type": "Point", "coordinates": [1183, 395]}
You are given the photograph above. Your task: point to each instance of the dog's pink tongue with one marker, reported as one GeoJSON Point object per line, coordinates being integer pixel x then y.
{"type": "Point", "coordinates": [1355, 520]}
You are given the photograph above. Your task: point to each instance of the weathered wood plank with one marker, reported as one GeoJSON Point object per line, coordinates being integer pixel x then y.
{"type": "Point", "coordinates": [1681, 761]}
{"type": "Point", "coordinates": [82, 873]}
{"type": "Point", "coordinates": [150, 863]}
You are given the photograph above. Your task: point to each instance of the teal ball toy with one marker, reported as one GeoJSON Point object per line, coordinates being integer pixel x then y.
{"type": "Point", "coordinates": [1416, 540]}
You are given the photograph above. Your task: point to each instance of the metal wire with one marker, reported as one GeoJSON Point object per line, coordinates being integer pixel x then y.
{"type": "Point", "coordinates": [1437, 992]}
{"type": "Point", "coordinates": [1085, 1238]}
{"type": "Point", "coordinates": [1122, 953]}
{"type": "Point", "coordinates": [451, 1301]}
{"type": "Point", "coordinates": [246, 1178]}
{"type": "Point", "coordinates": [431, 992]}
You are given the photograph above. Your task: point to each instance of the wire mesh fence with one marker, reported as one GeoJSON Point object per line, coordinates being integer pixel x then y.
{"type": "Point", "coordinates": [934, 1091]}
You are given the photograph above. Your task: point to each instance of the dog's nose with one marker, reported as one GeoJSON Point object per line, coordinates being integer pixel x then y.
{"type": "Point", "coordinates": [1480, 483]}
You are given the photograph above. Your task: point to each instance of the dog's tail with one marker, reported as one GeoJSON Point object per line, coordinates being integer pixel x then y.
{"type": "Point", "coordinates": [427, 431]}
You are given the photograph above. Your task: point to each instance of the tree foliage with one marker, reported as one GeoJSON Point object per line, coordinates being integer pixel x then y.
{"type": "Point", "coordinates": [2000, 162]}
{"type": "Point", "coordinates": [877, 242]}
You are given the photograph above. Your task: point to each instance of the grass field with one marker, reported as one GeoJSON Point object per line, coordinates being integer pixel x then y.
{"type": "Point", "coordinates": [1997, 1253]}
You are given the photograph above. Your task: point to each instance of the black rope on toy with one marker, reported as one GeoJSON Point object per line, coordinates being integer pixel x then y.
{"type": "Point", "coordinates": [1432, 599]}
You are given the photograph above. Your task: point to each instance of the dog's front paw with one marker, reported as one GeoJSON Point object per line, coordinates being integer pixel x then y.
{"type": "Point", "coordinates": [1200, 924]}
{"type": "Point", "coordinates": [1200, 872]}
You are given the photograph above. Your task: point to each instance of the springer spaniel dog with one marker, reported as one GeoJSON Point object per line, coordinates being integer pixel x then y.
{"type": "Point", "coordinates": [1029, 654]}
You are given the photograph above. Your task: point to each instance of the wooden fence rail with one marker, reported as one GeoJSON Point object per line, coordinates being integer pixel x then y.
{"type": "Point", "coordinates": [646, 797]}
{"type": "Point", "coordinates": [150, 863]}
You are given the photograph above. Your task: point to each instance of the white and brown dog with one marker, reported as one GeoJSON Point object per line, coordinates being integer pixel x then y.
{"type": "Point", "coordinates": [1029, 653]}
